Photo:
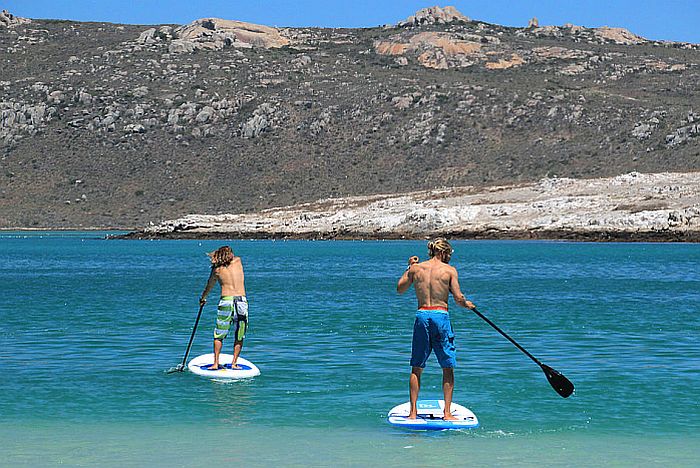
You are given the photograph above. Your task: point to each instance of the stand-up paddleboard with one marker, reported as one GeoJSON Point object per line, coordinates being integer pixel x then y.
{"type": "Point", "coordinates": [430, 413]}
{"type": "Point", "coordinates": [200, 366]}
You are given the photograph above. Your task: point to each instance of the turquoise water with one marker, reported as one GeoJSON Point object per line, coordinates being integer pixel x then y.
{"type": "Point", "coordinates": [88, 327]}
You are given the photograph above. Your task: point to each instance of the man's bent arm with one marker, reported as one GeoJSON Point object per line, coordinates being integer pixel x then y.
{"type": "Point", "coordinates": [457, 292]}
{"type": "Point", "coordinates": [405, 281]}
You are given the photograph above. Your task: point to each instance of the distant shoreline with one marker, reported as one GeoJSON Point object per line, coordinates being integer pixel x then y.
{"type": "Point", "coordinates": [64, 229]}
{"type": "Point", "coordinates": [549, 235]}
{"type": "Point", "coordinates": [565, 236]}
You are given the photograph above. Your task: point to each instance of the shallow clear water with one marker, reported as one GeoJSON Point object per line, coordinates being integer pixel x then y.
{"type": "Point", "coordinates": [88, 327]}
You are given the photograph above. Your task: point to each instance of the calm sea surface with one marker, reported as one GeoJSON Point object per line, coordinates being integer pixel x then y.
{"type": "Point", "coordinates": [88, 326]}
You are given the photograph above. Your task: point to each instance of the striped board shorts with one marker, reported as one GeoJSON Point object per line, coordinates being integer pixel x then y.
{"type": "Point", "coordinates": [232, 310]}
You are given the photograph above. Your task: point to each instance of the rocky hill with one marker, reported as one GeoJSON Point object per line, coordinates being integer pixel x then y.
{"type": "Point", "coordinates": [105, 125]}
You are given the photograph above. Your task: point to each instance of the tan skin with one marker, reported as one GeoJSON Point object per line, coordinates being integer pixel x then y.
{"type": "Point", "coordinates": [231, 279]}
{"type": "Point", "coordinates": [433, 280]}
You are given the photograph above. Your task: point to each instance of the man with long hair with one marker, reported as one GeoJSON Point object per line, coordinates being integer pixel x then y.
{"type": "Point", "coordinates": [434, 280]}
{"type": "Point", "coordinates": [233, 305]}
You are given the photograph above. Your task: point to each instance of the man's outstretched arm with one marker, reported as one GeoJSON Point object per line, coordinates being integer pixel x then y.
{"type": "Point", "coordinates": [210, 284]}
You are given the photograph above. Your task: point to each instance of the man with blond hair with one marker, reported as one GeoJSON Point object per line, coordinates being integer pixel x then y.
{"type": "Point", "coordinates": [232, 311]}
{"type": "Point", "coordinates": [433, 280]}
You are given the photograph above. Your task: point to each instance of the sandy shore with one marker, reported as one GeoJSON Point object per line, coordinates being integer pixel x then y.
{"type": "Point", "coordinates": [630, 207]}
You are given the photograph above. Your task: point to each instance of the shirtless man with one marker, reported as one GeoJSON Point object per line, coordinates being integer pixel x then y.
{"type": "Point", "coordinates": [434, 280]}
{"type": "Point", "coordinates": [233, 305]}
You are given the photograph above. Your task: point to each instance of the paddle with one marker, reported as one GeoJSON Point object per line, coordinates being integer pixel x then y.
{"type": "Point", "coordinates": [181, 367]}
{"type": "Point", "coordinates": [559, 383]}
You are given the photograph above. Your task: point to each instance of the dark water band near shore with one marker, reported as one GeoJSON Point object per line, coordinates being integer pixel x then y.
{"type": "Point", "coordinates": [553, 235]}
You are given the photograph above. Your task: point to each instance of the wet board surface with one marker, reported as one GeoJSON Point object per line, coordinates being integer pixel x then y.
{"type": "Point", "coordinates": [200, 364]}
{"type": "Point", "coordinates": [430, 413]}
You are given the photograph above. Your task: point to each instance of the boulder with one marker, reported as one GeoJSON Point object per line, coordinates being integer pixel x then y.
{"type": "Point", "coordinates": [205, 114]}
{"type": "Point", "coordinates": [216, 33]}
{"type": "Point", "coordinates": [438, 50]}
{"type": "Point", "coordinates": [618, 36]}
{"type": "Point", "coordinates": [254, 126]}
{"type": "Point", "coordinates": [179, 46]}
{"type": "Point", "coordinates": [56, 97]}
{"type": "Point", "coordinates": [134, 128]}
{"type": "Point", "coordinates": [402, 102]}
{"type": "Point", "coordinates": [155, 36]}
{"type": "Point", "coordinates": [147, 37]}
{"type": "Point", "coordinates": [561, 53]}
{"type": "Point", "coordinates": [514, 61]}
{"type": "Point", "coordinates": [9, 20]}
{"type": "Point", "coordinates": [433, 59]}
{"type": "Point", "coordinates": [434, 15]}
{"type": "Point", "coordinates": [302, 61]}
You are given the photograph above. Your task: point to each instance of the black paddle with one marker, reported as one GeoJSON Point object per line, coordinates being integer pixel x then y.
{"type": "Point", "coordinates": [559, 383]}
{"type": "Point", "coordinates": [181, 367]}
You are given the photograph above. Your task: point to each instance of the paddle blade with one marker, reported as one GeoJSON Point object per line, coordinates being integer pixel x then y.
{"type": "Point", "coordinates": [178, 368]}
{"type": "Point", "coordinates": [559, 383]}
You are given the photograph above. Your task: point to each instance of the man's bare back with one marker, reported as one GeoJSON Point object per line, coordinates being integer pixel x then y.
{"type": "Point", "coordinates": [230, 278]}
{"type": "Point", "coordinates": [433, 280]}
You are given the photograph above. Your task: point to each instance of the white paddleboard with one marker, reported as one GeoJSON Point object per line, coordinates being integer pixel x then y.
{"type": "Point", "coordinates": [200, 364]}
{"type": "Point", "coordinates": [430, 413]}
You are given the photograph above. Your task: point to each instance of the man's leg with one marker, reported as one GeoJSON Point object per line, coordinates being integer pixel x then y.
{"type": "Point", "coordinates": [240, 324]}
{"type": "Point", "coordinates": [217, 350]}
{"type": "Point", "coordinates": [414, 389]}
{"type": "Point", "coordinates": [237, 345]}
{"type": "Point", "coordinates": [224, 316]}
{"type": "Point", "coordinates": [448, 385]}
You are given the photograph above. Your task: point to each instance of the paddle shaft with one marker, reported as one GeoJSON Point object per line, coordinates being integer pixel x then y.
{"type": "Point", "coordinates": [194, 330]}
{"type": "Point", "coordinates": [507, 337]}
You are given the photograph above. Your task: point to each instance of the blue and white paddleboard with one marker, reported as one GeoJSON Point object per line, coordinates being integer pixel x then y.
{"type": "Point", "coordinates": [200, 364]}
{"type": "Point", "coordinates": [430, 413]}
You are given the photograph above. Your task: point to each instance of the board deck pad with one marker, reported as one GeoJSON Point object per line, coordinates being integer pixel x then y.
{"type": "Point", "coordinates": [430, 413]}
{"type": "Point", "coordinates": [200, 364]}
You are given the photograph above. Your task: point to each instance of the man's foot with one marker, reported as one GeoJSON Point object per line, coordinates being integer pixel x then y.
{"type": "Point", "coordinates": [214, 367]}
{"type": "Point", "coordinates": [412, 415]}
{"type": "Point", "coordinates": [235, 367]}
{"type": "Point", "coordinates": [449, 417]}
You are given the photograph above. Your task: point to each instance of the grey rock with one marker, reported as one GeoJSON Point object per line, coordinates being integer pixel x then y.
{"type": "Point", "coordinates": [140, 92]}
{"type": "Point", "coordinates": [205, 114]}
{"type": "Point", "coordinates": [134, 128]}
{"type": "Point", "coordinates": [255, 126]}
{"type": "Point", "coordinates": [83, 97]}
{"type": "Point", "coordinates": [434, 15]}
{"type": "Point", "coordinates": [683, 135]}
{"type": "Point", "coordinates": [181, 46]}
{"type": "Point", "coordinates": [147, 37]}
{"type": "Point", "coordinates": [320, 124]}
{"type": "Point", "coordinates": [643, 131]}
{"type": "Point", "coordinates": [301, 62]}
{"type": "Point", "coordinates": [56, 97]}
{"type": "Point", "coordinates": [9, 20]}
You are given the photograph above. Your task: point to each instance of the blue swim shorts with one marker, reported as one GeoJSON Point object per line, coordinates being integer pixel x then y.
{"type": "Point", "coordinates": [432, 330]}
